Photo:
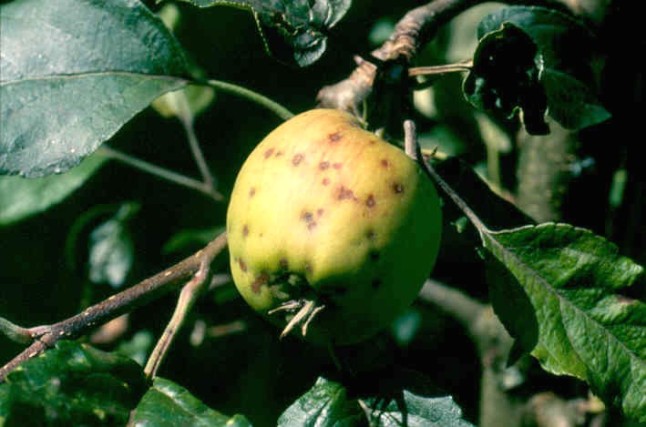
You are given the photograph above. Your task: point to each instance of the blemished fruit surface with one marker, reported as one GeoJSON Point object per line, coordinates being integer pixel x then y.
{"type": "Point", "coordinates": [323, 210]}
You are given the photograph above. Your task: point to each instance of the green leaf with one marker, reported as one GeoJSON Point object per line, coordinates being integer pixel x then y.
{"type": "Point", "coordinates": [21, 198]}
{"type": "Point", "coordinates": [416, 411]}
{"type": "Point", "coordinates": [564, 57]}
{"type": "Point", "coordinates": [293, 31]}
{"type": "Point", "coordinates": [168, 404]}
{"type": "Point", "coordinates": [325, 404]}
{"type": "Point", "coordinates": [72, 384]}
{"type": "Point", "coordinates": [586, 328]}
{"type": "Point", "coordinates": [112, 249]}
{"type": "Point", "coordinates": [73, 72]}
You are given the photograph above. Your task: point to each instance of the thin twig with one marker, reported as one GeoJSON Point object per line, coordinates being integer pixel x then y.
{"type": "Point", "coordinates": [250, 95]}
{"type": "Point", "coordinates": [434, 70]}
{"type": "Point", "coordinates": [187, 298]}
{"type": "Point", "coordinates": [411, 32]}
{"type": "Point", "coordinates": [141, 293]}
{"type": "Point", "coordinates": [187, 118]}
{"type": "Point", "coordinates": [410, 140]}
{"type": "Point", "coordinates": [15, 333]}
{"type": "Point", "coordinates": [160, 172]}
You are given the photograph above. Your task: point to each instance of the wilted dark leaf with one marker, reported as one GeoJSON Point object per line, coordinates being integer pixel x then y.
{"type": "Point", "coordinates": [564, 64]}
{"type": "Point", "coordinates": [294, 31]}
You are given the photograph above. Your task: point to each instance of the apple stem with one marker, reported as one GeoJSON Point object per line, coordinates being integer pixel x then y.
{"type": "Point", "coordinates": [414, 151]}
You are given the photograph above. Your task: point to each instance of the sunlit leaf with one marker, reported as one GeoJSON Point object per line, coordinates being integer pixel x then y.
{"type": "Point", "coordinates": [326, 404]}
{"type": "Point", "coordinates": [168, 404]}
{"type": "Point", "coordinates": [73, 72]}
{"type": "Point", "coordinates": [586, 325]}
{"type": "Point", "coordinates": [416, 411]}
{"type": "Point", "coordinates": [72, 384]}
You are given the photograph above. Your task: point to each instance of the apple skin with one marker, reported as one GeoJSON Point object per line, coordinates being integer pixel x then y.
{"type": "Point", "coordinates": [324, 210]}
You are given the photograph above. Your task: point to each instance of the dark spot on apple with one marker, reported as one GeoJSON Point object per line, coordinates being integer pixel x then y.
{"type": "Point", "coordinates": [385, 163]}
{"type": "Point", "coordinates": [398, 188]}
{"type": "Point", "coordinates": [337, 166]}
{"type": "Point", "coordinates": [259, 282]}
{"type": "Point", "coordinates": [374, 255]}
{"type": "Point", "coordinates": [283, 264]}
{"type": "Point", "coordinates": [308, 217]}
{"type": "Point", "coordinates": [335, 137]}
{"type": "Point", "coordinates": [370, 201]}
{"type": "Point", "coordinates": [278, 154]}
{"type": "Point", "coordinates": [269, 152]}
{"type": "Point", "coordinates": [319, 212]}
{"type": "Point", "coordinates": [345, 193]}
{"type": "Point", "coordinates": [242, 264]}
{"type": "Point", "coordinates": [297, 159]}
{"type": "Point", "coordinates": [245, 230]}
{"type": "Point", "coordinates": [324, 165]}
{"type": "Point", "coordinates": [373, 142]}
{"type": "Point", "coordinates": [370, 234]}
{"type": "Point", "coordinates": [325, 181]}
{"type": "Point", "coordinates": [252, 191]}
{"type": "Point", "coordinates": [376, 283]}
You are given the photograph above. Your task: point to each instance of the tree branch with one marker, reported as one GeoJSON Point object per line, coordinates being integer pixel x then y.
{"type": "Point", "coordinates": [411, 32]}
{"type": "Point", "coordinates": [145, 291]}
{"type": "Point", "coordinates": [414, 30]}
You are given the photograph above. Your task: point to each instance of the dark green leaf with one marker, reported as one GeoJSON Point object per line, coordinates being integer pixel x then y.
{"type": "Point", "coordinates": [586, 327]}
{"type": "Point", "coordinates": [571, 102]}
{"type": "Point", "coordinates": [111, 248]}
{"type": "Point", "coordinates": [168, 404]}
{"type": "Point", "coordinates": [416, 411]}
{"type": "Point", "coordinates": [21, 198]}
{"type": "Point", "coordinates": [72, 384]}
{"type": "Point", "coordinates": [564, 57]}
{"type": "Point", "coordinates": [72, 73]}
{"type": "Point", "coordinates": [326, 404]}
{"type": "Point", "coordinates": [294, 31]}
